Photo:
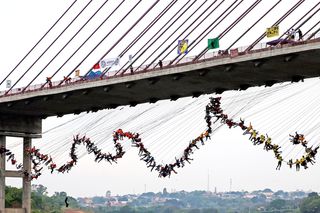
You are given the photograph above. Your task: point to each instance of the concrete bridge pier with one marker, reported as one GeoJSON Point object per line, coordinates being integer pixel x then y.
{"type": "Point", "coordinates": [27, 128]}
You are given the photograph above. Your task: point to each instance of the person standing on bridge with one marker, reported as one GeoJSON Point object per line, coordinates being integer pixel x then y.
{"type": "Point", "coordinates": [160, 64]}
{"type": "Point", "coordinates": [131, 70]}
{"type": "Point", "coordinates": [300, 35]}
{"type": "Point", "coordinates": [48, 80]}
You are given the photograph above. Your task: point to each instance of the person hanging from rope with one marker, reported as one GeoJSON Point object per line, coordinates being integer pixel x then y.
{"type": "Point", "coordinates": [207, 135]}
{"type": "Point", "coordinates": [241, 124]}
{"type": "Point", "coordinates": [115, 136]}
{"type": "Point", "coordinates": [303, 162]}
{"type": "Point", "coordinates": [279, 162]}
{"type": "Point", "coordinates": [224, 118]}
{"type": "Point", "coordinates": [309, 159]}
{"type": "Point", "coordinates": [193, 143]}
{"type": "Point", "coordinates": [13, 161]}
{"type": "Point", "coordinates": [248, 129]}
{"type": "Point", "coordinates": [313, 152]}
{"type": "Point", "coordinates": [294, 139]}
{"type": "Point", "coordinates": [297, 162]}
{"type": "Point", "coordinates": [152, 165]}
{"type": "Point", "coordinates": [253, 136]}
{"type": "Point", "coordinates": [19, 166]}
{"type": "Point", "coordinates": [290, 163]}
{"type": "Point", "coordinates": [261, 139]}
{"type": "Point", "coordinates": [276, 148]}
{"type": "Point", "coordinates": [230, 123]}
{"type": "Point", "coordinates": [52, 167]}
{"type": "Point", "coordinates": [268, 145]}
{"type": "Point", "coordinates": [302, 140]}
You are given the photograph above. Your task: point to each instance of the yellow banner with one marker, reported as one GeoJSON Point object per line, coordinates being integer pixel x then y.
{"type": "Point", "coordinates": [272, 31]}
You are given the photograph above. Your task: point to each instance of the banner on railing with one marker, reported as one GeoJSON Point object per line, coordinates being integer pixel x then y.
{"type": "Point", "coordinates": [213, 43]}
{"type": "Point", "coordinates": [183, 46]}
{"type": "Point", "coordinates": [109, 62]}
{"type": "Point", "coordinates": [272, 31]}
{"type": "Point", "coordinates": [234, 52]}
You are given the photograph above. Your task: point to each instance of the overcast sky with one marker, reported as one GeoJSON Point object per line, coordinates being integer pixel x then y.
{"type": "Point", "coordinates": [228, 156]}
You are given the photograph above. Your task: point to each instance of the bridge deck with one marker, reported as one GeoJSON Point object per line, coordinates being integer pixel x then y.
{"type": "Point", "coordinates": [260, 67]}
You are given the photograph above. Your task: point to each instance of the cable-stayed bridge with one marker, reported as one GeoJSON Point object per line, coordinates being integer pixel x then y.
{"type": "Point", "coordinates": [155, 72]}
{"type": "Point", "coordinates": [264, 66]}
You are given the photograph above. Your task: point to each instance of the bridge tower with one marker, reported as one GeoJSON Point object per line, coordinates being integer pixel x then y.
{"type": "Point", "coordinates": [26, 128]}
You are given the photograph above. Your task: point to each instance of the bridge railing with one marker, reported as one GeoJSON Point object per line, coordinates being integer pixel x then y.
{"type": "Point", "coordinates": [260, 47]}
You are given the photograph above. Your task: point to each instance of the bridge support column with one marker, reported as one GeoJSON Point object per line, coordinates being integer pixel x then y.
{"type": "Point", "coordinates": [2, 174]}
{"type": "Point", "coordinates": [26, 128]}
{"type": "Point", "coordinates": [26, 184]}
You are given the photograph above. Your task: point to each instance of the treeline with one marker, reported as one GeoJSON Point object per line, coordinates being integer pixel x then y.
{"type": "Point", "coordinates": [40, 201]}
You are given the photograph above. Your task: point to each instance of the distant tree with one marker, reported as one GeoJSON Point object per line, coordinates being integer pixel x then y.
{"type": "Point", "coordinates": [148, 194]}
{"type": "Point", "coordinates": [310, 205]}
{"type": "Point", "coordinates": [313, 194]}
{"type": "Point", "coordinates": [259, 198]}
{"type": "Point", "coordinates": [277, 204]}
{"type": "Point", "coordinates": [298, 193]}
{"type": "Point", "coordinates": [267, 190]}
{"type": "Point", "coordinates": [209, 211]}
{"type": "Point", "coordinates": [39, 189]}
{"type": "Point", "coordinates": [13, 197]}
{"type": "Point", "coordinates": [127, 209]}
{"type": "Point", "coordinates": [99, 200]}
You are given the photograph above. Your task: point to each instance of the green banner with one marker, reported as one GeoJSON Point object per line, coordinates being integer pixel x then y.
{"type": "Point", "coordinates": [213, 43]}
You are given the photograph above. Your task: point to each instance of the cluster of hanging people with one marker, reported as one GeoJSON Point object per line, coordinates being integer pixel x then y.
{"type": "Point", "coordinates": [167, 169]}
{"type": "Point", "coordinates": [212, 110]}
{"type": "Point", "coordinates": [264, 139]}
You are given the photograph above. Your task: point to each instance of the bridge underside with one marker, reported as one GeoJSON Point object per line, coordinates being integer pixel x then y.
{"type": "Point", "coordinates": [206, 77]}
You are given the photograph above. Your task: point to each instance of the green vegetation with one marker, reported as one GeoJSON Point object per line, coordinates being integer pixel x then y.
{"type": "Point", "coordinates": [177, 202]}
{"type": "Point", "coordinates": [40, 201]}
{"type": "Point", "coordinates": [311, 204]}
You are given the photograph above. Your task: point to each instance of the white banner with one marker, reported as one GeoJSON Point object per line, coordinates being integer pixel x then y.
{"type": "Point", "coordinates": [109, 62]}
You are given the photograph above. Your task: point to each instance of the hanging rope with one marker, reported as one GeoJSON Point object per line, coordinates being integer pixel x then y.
{"type": "Point", "coordinates": [213, 110]}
